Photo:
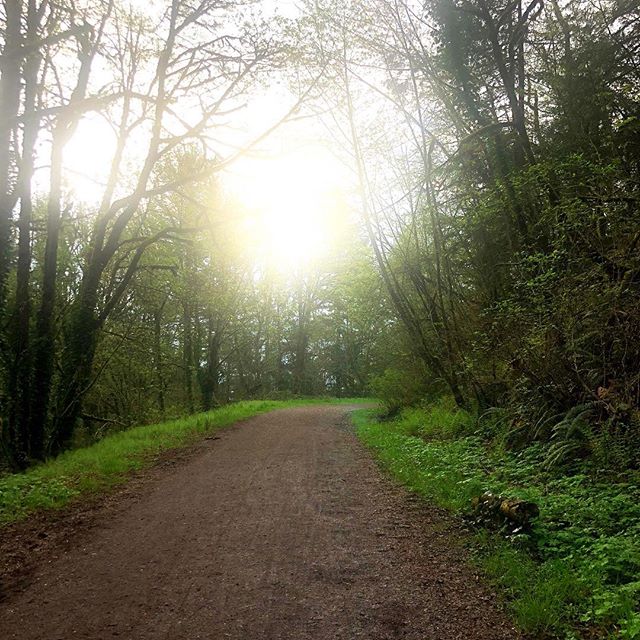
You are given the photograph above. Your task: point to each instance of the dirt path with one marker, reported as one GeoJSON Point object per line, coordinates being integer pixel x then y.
{"type": "Point", "coordinates": [283, 527]}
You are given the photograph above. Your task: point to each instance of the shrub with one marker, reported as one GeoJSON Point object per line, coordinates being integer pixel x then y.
{"type": "Point", "coordinates": [397, 389]}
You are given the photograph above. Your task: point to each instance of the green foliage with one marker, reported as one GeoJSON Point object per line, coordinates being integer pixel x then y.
{"type": "Point", "coordinates": [397, 388]}
{"type": "Point", "coordinates": [516, 277]}
{"type": "Point", "coordinates": [579, 567]}
{"type": "Point", "coordinates": [540, 594]}
{"type": "Point", "coordinates": [441, 420]}
{"type": "Point", "coordinates": [21, 494]}
{"type": "Point", "coordinates": [569, 436]}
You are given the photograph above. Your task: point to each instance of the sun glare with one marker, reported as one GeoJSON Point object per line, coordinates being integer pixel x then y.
{"type": "Point", "coordinates": [288, 200]}
{"type": "Point", "coordinates": [294, 204]}
{"type": "Point", "coordinates": [87, 157]}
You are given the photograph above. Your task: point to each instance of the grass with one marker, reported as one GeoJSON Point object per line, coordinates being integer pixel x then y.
{"type": "Point", "coordinates": [578, 573]}
{"type": "Point", "coordinates": [107, 463]}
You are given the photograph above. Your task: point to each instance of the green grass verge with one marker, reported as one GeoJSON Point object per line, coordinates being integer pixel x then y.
{"type": "Point", "coordinates": [578, 574]}
{"type": "Point", "coordinates": [107, 463]}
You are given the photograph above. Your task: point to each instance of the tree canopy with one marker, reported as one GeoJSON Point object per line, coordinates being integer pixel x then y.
{"type": "Point", "coordinates": [480, 242]}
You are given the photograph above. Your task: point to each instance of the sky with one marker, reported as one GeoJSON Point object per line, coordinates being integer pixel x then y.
{"type": "Point", "coordinates": [284, 186]}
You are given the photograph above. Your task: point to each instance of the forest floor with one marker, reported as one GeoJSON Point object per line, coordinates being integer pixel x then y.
{"type": "Point", "coordinates": [282, 526]}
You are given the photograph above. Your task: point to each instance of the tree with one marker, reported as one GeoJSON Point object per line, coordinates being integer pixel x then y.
{"type": "Point", "coordinates": [156, 66]}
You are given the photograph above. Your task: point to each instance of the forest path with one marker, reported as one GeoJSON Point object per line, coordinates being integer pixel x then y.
{"type": "Point", "coordinates": [280, 527]}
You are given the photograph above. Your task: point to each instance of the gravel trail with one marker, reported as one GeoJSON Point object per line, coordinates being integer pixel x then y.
{"type": "Point", "coordinates": [281, 527]}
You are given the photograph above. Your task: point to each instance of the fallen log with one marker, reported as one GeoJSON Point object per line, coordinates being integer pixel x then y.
{"type": "Point", "coordinates": [492, 510]}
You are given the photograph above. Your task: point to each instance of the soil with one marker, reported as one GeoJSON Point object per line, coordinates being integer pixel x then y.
{"type": "Point", "coordinates": [281, 527]}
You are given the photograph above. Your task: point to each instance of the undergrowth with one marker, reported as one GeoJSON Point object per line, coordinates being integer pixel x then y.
{"type": "Point", "coordinates": [106, 463]}
{"type": "Point", "coordinates": [577, 574]}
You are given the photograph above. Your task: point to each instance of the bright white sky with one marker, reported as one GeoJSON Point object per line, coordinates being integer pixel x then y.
{"type": "Point", "coordinates": [285, 187]}
{"type": "Point", "coordinates": [293, 199]}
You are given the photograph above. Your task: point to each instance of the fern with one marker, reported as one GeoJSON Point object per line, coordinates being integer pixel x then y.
{"type": "Point", "coordinates": [569, 436]}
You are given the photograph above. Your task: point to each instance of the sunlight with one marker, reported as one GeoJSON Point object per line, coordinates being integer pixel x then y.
{"type": "Point", "coordinates": [87, 158]}
{"type": "Point", "coordinates": [293, 204]}
{"type": "Point", "coordinates": [291, 193]}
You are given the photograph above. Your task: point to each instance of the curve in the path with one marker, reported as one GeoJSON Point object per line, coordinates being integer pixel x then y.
{"type": "Point", "coordinates": [281, 528]}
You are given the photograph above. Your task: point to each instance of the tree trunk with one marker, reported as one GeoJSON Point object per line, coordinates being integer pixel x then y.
{"type": "Point", "coordinates": [10, 65]}
{"type": "Point", "coordinates": [44, 344]}
{"type": "Point", "coordinates": [210, 378]}
{"type": "Point", "coordinates": [20, 374]}
{"type": "Point", "coordinates": [299, 382]}
{"type": "Point", "coordinates": [157, 357]}
{"type": "Point", "coordinates": [19, 383]}
{"type": "Point", "coordinates": [187, 355]}
{"type": "Point", "coordinates": [80, 334]}
{"type": "Point", "coordinates": [45, 334]}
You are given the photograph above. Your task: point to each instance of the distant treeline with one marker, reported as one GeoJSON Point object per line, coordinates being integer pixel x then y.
{"type": "Point", "coordinates": [140, 305]}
